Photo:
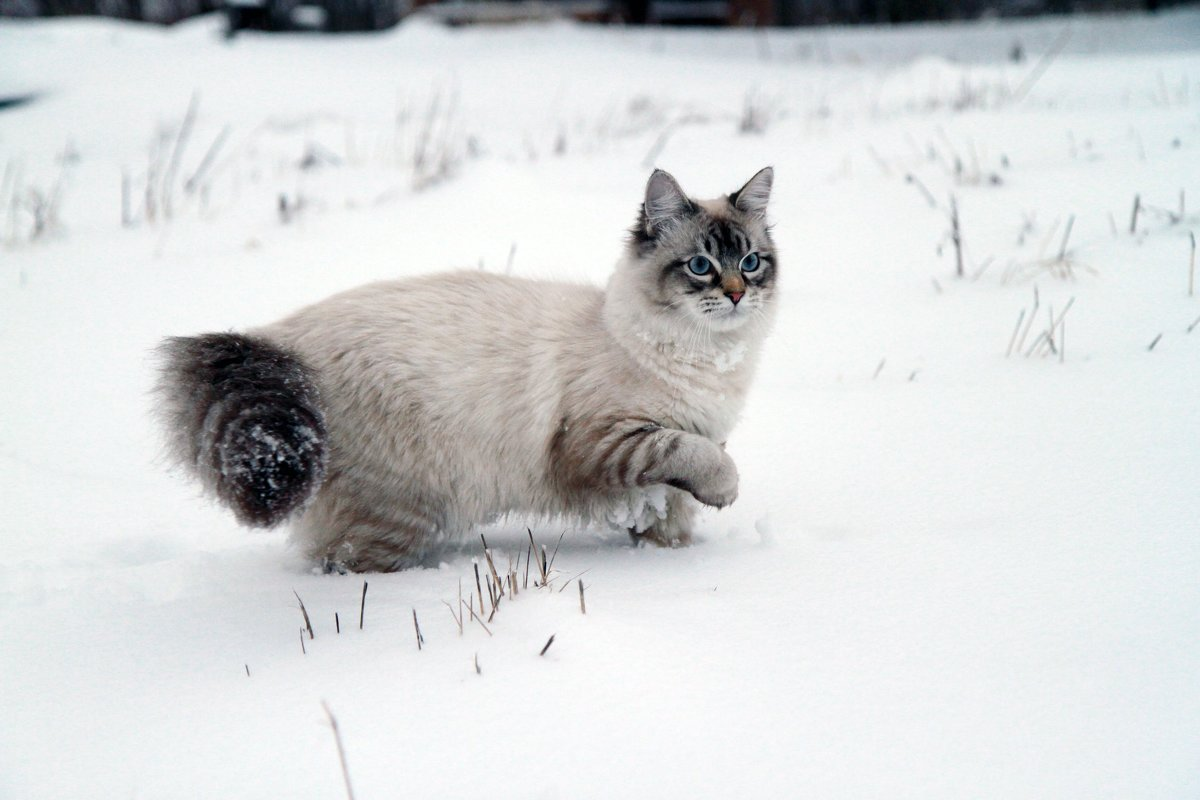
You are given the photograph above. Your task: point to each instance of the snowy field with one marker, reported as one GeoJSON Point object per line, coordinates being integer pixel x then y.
{"type": "Point", "coordinates": [965, 560]}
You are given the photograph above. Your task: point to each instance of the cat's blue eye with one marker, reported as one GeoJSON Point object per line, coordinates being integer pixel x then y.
{"type": "Point", "coordinates": [699, 265]}
{"type": "Point", "coordinates": [750, 262]}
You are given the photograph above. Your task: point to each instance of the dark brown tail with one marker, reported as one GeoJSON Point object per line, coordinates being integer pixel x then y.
{"type": "Point", "coordinates": [243, 415]}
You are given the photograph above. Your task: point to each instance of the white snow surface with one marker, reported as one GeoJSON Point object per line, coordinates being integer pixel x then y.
{"type": "Point", "coordinates": [949, 573]}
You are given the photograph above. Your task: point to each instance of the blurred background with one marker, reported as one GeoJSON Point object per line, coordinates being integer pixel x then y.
{"type": "Point", "coordinates": [366, 15]}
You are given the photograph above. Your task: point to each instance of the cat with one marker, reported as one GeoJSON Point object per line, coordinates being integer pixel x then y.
{"type": "Point", "coordinates": [386, 418]}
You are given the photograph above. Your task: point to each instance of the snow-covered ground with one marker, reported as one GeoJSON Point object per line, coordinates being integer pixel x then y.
{"type": "Point", "coordinates": [950, 573]}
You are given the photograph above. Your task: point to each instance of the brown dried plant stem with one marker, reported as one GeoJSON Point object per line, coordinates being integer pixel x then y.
{"type": "Point", "coordinates": [307, 622]}
{"type": "Point", "coordinates": [362, 608]}
{"type": "Point", "coordinates": [457, 617]}
{"type": "Point", "coordinates": [337, 737]}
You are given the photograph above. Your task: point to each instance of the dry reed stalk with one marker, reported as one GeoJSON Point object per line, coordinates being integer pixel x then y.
{"type": "Point", "coordinates": [362, 608]}
{"type": "Point", "coordinates": [304, 611]}
{"type": "Point", "coordinates": [337, 736]}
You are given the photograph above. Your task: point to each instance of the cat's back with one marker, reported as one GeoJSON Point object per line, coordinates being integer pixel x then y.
{"type": "Point", "coordinates": [441, 315]}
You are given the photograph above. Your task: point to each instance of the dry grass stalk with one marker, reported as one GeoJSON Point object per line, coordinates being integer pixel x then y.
{"type": "Point", "coordinates": [126, 200]}
{"type": "Point", "coordinates": [494, 598]}
{"type": "Point", "coordinates": [528, 558]}
{"type": "Point", "coordinates": [1192, 267]}
{"type": "Point", "coordinates": [1062, 250]}
{"type": "Point", "coordinates": [192, 183]}
{"type": "Point", "coordinates": [181, 141]}
{"type": "Point", "coordinates": [542, 562]}
{"type": "Point", "coordinates": [1041, 66]}
{"type": "Point", "coordinates": [1016, 329]}
{"type": "Point", "coordinates": [1192, 327]}
{"type": "Point", "coordinates": [362, 608]}
{"type": "Point", "coordinates": [247, 666]}
{"type": "Point", "coordinates": [478, 586]}
{"type": "Point", "coordinates": [928, 195]}
{"type": "Point", "coordinates": [1133, 218]}
{"type": "Point", "coordinates": [1049, 337]}
{"type": "Point", "coordinates": [956, 237]}
{"type": "Point", "coordinates": [508, 267]}
{"type": "Point", "coordinates": [549, 642]}
{"type": "Point", "coordinates": [1062, 266]}
{"type": "Point", "coordinates": [582, 602]}
{"type": "Point", "coordinates": [304, 611]}
{"type": "Point", "coordinates": [337, 622]}
{"type": "Point", "coordinates": [573, 577]}
{"type": "Point", "coordinates": [475, 617]}
{"type": "Point", "coordinates": [487, 553]}
{"type": "Point", "coordinates": [554, 555]}
{"type": "Point", "coordinates": [1029, 323]}
{"type": "Point", "coordinates": [303, 649]}
{"type": "Point", "coordinates": [417, 628]}
{"type": "Point", "coordinates": [1153, 343]}
{"type": "Point", "coordinates": [457, 616]}
{"type": "Point", "coordinates": [337, 736]}
{"type": "Point", "coordinates": [478, 671]}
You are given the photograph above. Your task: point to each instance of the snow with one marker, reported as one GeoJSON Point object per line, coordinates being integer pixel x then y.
{"type": "Point", "coordinates": [948, 573]}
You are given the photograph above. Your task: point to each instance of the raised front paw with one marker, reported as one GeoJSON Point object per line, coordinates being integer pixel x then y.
{"type": "Point", "coordinates": [715, 482]}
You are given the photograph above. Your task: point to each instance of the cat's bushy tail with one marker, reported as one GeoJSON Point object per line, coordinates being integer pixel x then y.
{"type": "Point", "coordinates": [244, 416]}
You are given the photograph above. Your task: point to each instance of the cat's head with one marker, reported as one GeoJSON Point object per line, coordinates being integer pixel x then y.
{"type": "Point", "coordinates": [707, 263]}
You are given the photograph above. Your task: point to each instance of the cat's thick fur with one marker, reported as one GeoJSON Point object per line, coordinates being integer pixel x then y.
{"type": "Point", "coordinates": [387, 417]}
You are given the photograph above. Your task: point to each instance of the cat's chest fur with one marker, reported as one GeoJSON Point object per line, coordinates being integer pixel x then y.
{"type": "Point", "coordinates": [702, 392]}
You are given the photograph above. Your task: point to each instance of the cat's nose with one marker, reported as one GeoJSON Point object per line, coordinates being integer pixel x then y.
{"type": "Point", "coordinates": [734, 296]}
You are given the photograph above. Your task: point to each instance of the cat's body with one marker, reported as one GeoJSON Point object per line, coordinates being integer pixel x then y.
{"type": "Point", "coordinates": [422, 407]}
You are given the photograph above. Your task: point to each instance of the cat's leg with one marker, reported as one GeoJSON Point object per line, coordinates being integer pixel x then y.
{"type": "Point", "coordinates": [675, 528]}
{"type": "Point", "coordinates": [634, 452]}
{"type": "Point", "coordinates": [347, 532]}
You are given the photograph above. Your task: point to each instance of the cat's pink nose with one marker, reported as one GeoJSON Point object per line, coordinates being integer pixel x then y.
{"type": "Point", "coordinates": [734, 296]}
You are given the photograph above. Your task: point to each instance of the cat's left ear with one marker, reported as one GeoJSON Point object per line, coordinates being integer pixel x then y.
{"type": "Point", "coordinates": [752, 198]}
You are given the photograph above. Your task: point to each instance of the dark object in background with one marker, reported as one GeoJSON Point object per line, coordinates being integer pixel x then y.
{"type": "Point", "coordinates": [15, 100]}
{"type": "Point", "coordinates": [318, 15]}
{"type": "Point", "coordinates": [163, 12]}
{"type": "Point", "coordinates": [370, 15]}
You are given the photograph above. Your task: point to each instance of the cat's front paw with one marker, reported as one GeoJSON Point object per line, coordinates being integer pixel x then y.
{"type": "Point", "coordinates": [716, 486]}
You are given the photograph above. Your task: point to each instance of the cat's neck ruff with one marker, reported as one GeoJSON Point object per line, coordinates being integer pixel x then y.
{"type": "Point", "coordinates": [688, 352]}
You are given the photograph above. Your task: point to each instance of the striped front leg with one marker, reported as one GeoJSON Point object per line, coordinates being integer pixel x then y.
{"type": "Point", "coordinates": [628, 452]}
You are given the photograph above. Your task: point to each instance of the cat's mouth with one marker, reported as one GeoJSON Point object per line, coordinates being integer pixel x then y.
{"type": "Point", "coordinates": [728, 315]}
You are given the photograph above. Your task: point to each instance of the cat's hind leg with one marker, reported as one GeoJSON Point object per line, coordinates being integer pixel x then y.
{"type": "Point", "coordinates": [344, 533]}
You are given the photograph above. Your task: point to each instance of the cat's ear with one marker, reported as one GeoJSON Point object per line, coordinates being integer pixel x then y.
{"type": "Point", "coordinates": [752, 198]}
{"type": "Point", "coordinates": [665, 202]}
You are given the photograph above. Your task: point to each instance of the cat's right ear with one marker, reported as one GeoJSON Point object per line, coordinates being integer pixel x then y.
{"type": "Point", "coordinates": [752, 198]}
{"type": "Point", "coordinates": [665, 203]}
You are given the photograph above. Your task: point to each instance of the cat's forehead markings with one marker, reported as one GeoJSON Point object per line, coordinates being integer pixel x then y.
{"type": "Point", "coordinates": [725, 239]}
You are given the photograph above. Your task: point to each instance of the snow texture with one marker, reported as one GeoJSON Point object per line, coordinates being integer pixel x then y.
{"type": "Point", "coordinates": [964, 558]}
